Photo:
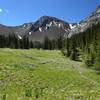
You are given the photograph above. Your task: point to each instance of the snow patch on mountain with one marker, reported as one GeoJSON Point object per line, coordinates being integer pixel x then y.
{"type": "Point", "coordinates": [59, 25]}
{"type": "Point", "coordinates": [30, 33]}
{"type": "Point", "coordinates": [40, 29]}
{"type": "Point", "coordinates": [50, 24]}
{"type": "Point", "coordinates": [55, 23]}
{"type": "Point", "coordinates": [86, 23]}
{"type": "Point", "coordinates": [72, 26]}
{"type": "Point", "coordinates": [19, 37]}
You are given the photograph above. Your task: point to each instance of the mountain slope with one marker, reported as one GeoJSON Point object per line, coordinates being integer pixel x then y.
{"type": "Point", "coordinates": [51, 27]}
{"type": "Point", "coordinates": [86, 23]}
{"type": "Point", "coordinates": [37, 31]}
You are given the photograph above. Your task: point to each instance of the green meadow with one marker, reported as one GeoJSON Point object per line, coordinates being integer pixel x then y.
{"type": "Point", "coordinates": [45, 75]}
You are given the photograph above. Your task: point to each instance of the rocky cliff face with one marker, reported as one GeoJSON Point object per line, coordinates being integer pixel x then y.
{"type": "Point", "coordinates": [37, 31]}
{"type": "Point", "coordinates": [48, 26]}
{"type": "Point", "coordinates": [84, 24]}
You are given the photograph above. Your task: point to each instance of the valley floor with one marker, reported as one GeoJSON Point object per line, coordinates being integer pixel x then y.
{"type": "Point", "coordinates": [45, 75]}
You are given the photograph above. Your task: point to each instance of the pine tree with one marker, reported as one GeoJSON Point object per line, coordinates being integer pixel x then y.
{"type": "Point", "coordinates": [47, 43]}
{"type": "Point", "coordinates": [68, 47]}
{"type": "Point", "coordinates": [60, 41]}
{"type": "Point", "coordinates": [74, 52]}
{"type": "Point", "coordinates": [97, 64]}
{"type": "Point", "coordinates": [25, 42]}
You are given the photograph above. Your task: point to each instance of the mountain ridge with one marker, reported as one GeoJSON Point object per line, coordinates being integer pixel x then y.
{"type": "Point", "coordinates": [51, 27]}
{"type": "Point", "coordinates": [37, 31]}
{"type": "Point", "coordinates": [87, 22]}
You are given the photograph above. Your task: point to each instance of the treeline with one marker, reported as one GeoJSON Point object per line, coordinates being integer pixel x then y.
{"type": "Point", "coordinates": [49, 44]}
{"type": "Point", "coordinates": [82, 46]}
{"type": "Point", "coordinates": [57, 43]}
{"type": "Point", "coordinates": [85, 45]}
{"type": "Point", "coordinates": [13, 41]}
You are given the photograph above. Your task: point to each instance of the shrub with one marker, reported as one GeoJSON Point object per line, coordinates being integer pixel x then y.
{"type": "Point", "coordinates": [28, 93]}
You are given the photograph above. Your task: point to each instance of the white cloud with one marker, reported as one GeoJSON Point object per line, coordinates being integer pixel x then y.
{"type": "Point", "coordinates": [6, 11]}
{"type": "Point", "coordinates": [1, 10]}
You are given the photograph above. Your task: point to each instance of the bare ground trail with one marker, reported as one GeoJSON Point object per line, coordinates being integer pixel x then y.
{"type": "Point", "coordinates": [81, 70]}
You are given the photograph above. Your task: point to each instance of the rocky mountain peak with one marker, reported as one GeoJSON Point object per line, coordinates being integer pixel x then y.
{"type": "Point", "coordinates": [98, 9]}
{"type": "Point", "coordinates": [87, 22]}
{"type": "Point", "coordinates": [46, 22]}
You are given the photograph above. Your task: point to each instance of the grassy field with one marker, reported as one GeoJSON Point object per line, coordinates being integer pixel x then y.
{"type": "Point", "coordinates": [45, 75]}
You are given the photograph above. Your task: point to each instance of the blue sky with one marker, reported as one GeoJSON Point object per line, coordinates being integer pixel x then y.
{"type": "Point", "coordinates": [16, 12]}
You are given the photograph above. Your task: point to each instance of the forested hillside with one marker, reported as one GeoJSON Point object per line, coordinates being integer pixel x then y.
{"type": "Point", "coordinates": [12, 41]}
{"type": "Point", "coordinates": [85, 45]}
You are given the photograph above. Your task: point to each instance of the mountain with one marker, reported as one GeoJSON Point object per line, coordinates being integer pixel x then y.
{"type": "Point", "coordinates": [86, 23]}
{"type": "Point", "coordinates": [51, 27]}
{"type": "Point", "coordinates": [48, 26]}
{"type": "Point", "coordinates": [45, 26]}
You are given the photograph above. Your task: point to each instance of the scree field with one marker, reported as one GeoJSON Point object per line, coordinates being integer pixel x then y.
{"type": "Point", "coordinates": [45, 75]}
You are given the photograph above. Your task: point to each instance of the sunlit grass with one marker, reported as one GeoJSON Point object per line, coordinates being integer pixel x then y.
{"type": "Point", "coordinates": [43, 75]}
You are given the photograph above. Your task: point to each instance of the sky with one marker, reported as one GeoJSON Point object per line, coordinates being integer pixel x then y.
{"type": "Point", "coordinates": [17, 12]}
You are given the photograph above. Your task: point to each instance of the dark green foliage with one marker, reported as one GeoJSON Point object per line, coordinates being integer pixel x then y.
{"type": "Point", "coordinates": [38, 92]}
{"type": "Point", "coordinates": [89, 61]}
{"type": "Point", "coordinates": [4, 97]}
{"type": "Point", "coordinates": [68, 47]}
{"type": "Point", "coordinates": [64, 52]}
{"type": "Point", "coordinates": [60, 41]}
{"type": "Point", "coordinates": [25, 42]}
{"type": "Point", "coordinates": [28, 93]}
{"type": "Point", "coordinates": [88, 43]}
{"type": "Point", "coordinates": [12, 41]}
{"type": "Point", "coordinates": [97, 63]}
{"type": "Point", "coordinates": [47, 43]}
{"type": "Point", "coordinates": [54, 44]}
{"type": "Point", "coordinates": [37, 44]}
{"type": "Point", "coordinates": [50, 44]}
{"type": "Point", "coordinates": [74, 53]}
{"type": "Point", "coordinates": [2, 41]}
